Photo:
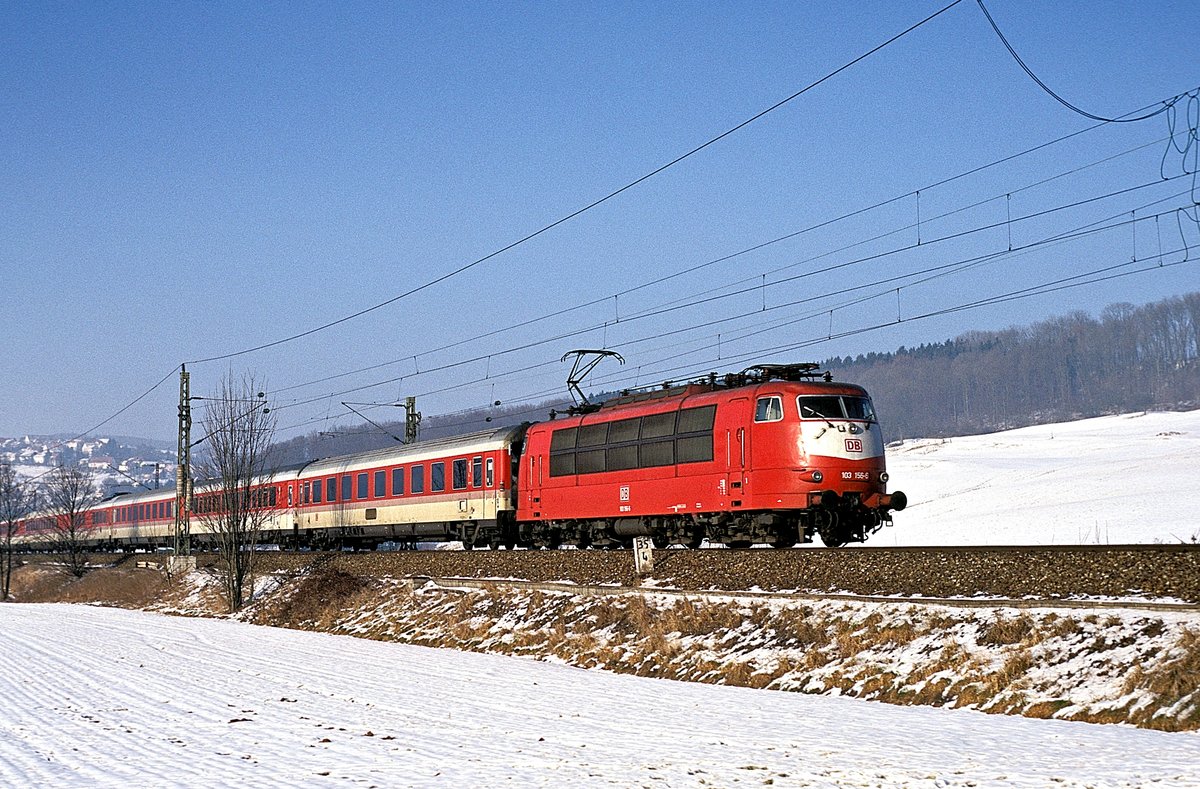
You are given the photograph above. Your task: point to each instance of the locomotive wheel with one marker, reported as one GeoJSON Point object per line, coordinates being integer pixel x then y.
{"type": "Point", "coordinates": [695, 541]}
{"type": "Point", "coordinates": [661, 542]}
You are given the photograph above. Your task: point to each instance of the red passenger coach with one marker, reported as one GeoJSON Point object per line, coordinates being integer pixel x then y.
{"type": "Point", "coordinates": [771, 455]}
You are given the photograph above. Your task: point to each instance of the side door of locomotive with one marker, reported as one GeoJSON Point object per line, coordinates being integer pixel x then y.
{"type": "Point", "coordinates": [736, 435]}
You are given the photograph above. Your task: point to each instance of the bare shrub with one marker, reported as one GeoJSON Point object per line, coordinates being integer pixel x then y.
{"type": "Point", "coordinates": [1004, 631]}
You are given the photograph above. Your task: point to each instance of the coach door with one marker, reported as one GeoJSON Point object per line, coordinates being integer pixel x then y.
{"type": "Point", "coordinates": [737, 448]}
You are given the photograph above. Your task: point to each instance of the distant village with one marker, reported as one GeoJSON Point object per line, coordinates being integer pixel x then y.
{"type": "Point", "coordinates": [116, 464]}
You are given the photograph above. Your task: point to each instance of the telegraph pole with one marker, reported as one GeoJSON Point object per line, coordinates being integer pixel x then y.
{"type": "Point", "coordinates": [183, 477]}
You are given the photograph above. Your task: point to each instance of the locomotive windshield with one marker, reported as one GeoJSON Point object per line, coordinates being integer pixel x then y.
{"type": "Point", "coordinates": [836, 407]}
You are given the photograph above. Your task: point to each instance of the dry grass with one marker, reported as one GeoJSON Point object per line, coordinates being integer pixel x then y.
{"type": "Point", "coordinates": [1006, 631]}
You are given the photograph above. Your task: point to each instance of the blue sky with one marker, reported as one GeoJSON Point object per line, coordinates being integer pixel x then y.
{"type": "Point", "coordinates": [185, 180]}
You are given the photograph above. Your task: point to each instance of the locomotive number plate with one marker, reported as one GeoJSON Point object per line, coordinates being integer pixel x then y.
{"type": "Point", "coordinates": [854, 445]}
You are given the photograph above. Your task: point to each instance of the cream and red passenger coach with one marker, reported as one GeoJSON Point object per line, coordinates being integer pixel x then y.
{"type": "Point", "coordinates": [774, 455]}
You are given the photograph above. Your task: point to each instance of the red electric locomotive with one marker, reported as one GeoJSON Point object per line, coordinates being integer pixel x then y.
{"type": "Point", "coordinates": [771, 455]}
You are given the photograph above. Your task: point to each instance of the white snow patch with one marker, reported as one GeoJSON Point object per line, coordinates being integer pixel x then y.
{"type": "Point", "coordinates": [1111, 480]}
{"type": "Point", "coordinates": [100, 697]}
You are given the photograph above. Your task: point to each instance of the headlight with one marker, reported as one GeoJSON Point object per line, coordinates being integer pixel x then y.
{"type": "Point", "coordinates": [883, 476]}
{"type": "Point", "coordinates": [817, 476]}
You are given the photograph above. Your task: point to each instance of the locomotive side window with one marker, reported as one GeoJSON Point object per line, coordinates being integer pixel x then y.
{"type": "Point", "coordinates": [651, 441]}
{"type": "Point", "coordinates": [624, 430]}
{"type": "Point", "coordinates": [437, 477]}
{"type": "Point", "coordinates": [768, 409]}
{"type": "Point", "coordinates": [622, 457]}
{"type": "Point", "coordinates": [657, 453]}
{"type": "Point", "coordinates": [658, 425]}
{"type": "Point", "coordinates": [380, 484]}
{"type": "Point", "coordinates": [458, 471]}
{"type": "Point", "coordinates": [622, 450]}
{"type": "Point", "coordinates": [417, 478]}
{"type": "Point", "coordinates": [593, 435]}
{"type": "Point", "coordinates": [562, 452]}
{"type": "Point", "coordinates": [397, 482]}
{"type": "Point", "coordinates": [696, 420]}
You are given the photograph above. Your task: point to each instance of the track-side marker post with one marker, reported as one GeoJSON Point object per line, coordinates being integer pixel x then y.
{"type": "Point", "coordinates": [643, 555]}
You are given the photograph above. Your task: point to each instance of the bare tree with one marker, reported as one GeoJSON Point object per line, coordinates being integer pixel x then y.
{"type": "Point", "coordinates": [70, 493]}
{"type": "Point", "coordinates": [233, 500]}
{"type": "Point", "coordinates": [17, 500]}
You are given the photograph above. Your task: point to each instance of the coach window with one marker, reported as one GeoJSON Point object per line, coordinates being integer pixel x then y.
{"type": "Point", "coordinates": [491, 473]}
{"type": "Point", "coordinates": [272, 496]}
{"type": "Point", "coordinates": [316, 492]}
{"type": "Point", "coordinates": [458, 471]}
{"type": "Point", "coordinates": [768, 409]}
{"type": "Point", "coordinates": [418, 479]}
{"type": "Point", "coordinates": [331, 489]}
{"type": "Point", "coordinates": [305, 493]}
{"type": "Point", "coordinates": [380, 484]}
{"type": "Point", "coordinates": [437, 477]}
{"type": "Point", "coordinates": [398, 482]}
{"type": "Point", "coordinates": [289, 490]}
{"type": "Point", "coordinates": [477, 472]}
{"type": "Point", "coordinates": [361, 487]}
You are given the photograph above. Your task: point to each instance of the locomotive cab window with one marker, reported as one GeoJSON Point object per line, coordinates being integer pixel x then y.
{"type": "Point", "coordinates": [859, 408]}
{"type": "Point", "coordinates": [836, 407]}
{"type": "Point", "coordinates": [820, 407]}
{"type": "Point", "coordinates": [768, 409]}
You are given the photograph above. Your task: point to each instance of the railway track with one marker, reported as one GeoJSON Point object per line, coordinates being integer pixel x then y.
{"type": "Point", "coordinates": [1059, 575]}
{"type": "Point", "coordinates": [592, 590]}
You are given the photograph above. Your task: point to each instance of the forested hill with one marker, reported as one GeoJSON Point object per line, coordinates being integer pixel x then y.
{"type": "Point", "coordinates": [1071, 367]}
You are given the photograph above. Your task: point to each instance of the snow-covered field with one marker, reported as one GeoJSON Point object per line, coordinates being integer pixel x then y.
{"type": "Point", "coordinates": [1133, 478]}
{"type": "Point", "coordinates": [96, 697]}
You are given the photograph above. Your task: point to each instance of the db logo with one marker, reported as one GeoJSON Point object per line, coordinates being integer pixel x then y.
{"type": "Point", "coordinates": [854, 445]}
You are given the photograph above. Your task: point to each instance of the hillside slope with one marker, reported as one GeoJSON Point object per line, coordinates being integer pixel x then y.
{"type": "Point", "coordinates": [1111, 480]}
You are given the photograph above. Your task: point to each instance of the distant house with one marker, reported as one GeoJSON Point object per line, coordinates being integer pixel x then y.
{"type": "Point", "coordinates": [99, 462]}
